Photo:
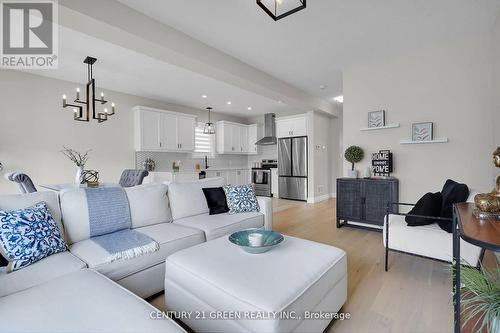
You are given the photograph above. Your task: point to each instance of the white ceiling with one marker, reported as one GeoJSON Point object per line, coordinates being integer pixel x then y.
{"type": "Point", "coordinates": [121, 69]}
{"type": "Point", "coordinates": [310, 48]}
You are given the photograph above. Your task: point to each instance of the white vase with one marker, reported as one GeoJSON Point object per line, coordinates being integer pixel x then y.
{"type": "Point", "coordinates": [352, 173]}
{"type": "Point", "coordinates": [78, 176]}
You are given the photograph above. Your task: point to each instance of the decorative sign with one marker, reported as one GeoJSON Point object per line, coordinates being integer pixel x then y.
{"type": "Point", "coordinates": [382, 163]}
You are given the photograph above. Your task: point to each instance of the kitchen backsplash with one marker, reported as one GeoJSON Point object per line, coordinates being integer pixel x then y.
{"type": "Point", "coordinates": [266, 153]}
{"type": "Point", "coordinates": [164, 160]}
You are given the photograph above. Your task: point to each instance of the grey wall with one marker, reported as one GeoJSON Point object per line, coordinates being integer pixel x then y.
{"type": "Point", "coordinates": [449, 84]}
{"type": "Point", "coordinates": [34, 127]}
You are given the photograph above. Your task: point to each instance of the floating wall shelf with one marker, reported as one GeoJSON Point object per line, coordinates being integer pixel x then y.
{"type": "Point", "coordinates": [379, 128]}
{"type": "Point", "coordinates": [410, 142]}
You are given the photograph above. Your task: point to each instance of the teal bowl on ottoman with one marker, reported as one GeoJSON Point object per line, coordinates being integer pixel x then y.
{"type": "Point", "coordinates": [256, 240]}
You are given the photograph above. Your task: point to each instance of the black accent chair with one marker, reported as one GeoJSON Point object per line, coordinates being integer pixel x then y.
{"type": "Point", "coordinates": [23, 181]}
{"type": "Point", "coordinates": [132, 177]}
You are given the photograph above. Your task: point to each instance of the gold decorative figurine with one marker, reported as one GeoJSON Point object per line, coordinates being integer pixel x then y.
{"type": "Point", "coordinates": [488, 204]}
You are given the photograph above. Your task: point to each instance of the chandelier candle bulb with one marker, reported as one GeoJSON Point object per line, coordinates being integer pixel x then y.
{"type": "Point", "coordinates": [102, 96]}
{"type": "Point", "coordinates": [64, 101]}
{"type": "Point", "coordinates": [77, 93]}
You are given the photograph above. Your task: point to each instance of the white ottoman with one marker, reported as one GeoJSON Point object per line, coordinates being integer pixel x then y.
{"type": "Point", "coordinates": [217, 287]}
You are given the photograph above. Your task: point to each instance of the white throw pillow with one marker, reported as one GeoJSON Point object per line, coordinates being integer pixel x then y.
{"type": "Point", "coordinates": [149, 205]}
{"type": "Point", "coordinates": [187, 199]}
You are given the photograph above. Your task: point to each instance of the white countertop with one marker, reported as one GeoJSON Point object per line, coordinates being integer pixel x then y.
{"type": "Point", "coordinates": [226, 168]}
{"type": "Point", "coordinates": [209, 169]}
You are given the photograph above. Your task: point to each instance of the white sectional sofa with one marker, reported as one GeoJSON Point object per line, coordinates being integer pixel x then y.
{"type": "Point", "coordinates": [175, 216]}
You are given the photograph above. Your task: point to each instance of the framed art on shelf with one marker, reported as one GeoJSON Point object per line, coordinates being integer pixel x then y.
{"type": "Point", "coordinates": [376, 119]}
{"type": "Point", "coordinates": [422, 131]}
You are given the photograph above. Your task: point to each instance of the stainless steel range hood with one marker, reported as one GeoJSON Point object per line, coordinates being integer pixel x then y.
{"type": "Point", "coordinates": [269, 130]}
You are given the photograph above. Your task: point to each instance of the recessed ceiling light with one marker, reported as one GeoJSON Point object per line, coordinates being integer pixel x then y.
{"type": "Point", "coordinates": [249, 108]}
{"type": "Point", "coordinates": [339, 99]}
{"type": "Point", "coordinates": [228, 102]}
{"type": "Point", "coordinates": [204, 96]}
{"type": "Point", "coordinates": [323, 86]}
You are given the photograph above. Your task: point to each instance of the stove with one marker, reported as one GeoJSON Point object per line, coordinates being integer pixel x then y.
{"type": "Point", "coordinates": [261, 177]}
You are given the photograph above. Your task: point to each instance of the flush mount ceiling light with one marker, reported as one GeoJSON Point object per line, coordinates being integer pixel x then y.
{"type": "Point", "coordinates": [279, 9]}
{"type": "Point", "coordinates": [339, 99]}
{"type": "Point", "coordinates": [209, 125]}
{"type": "Point", "coordinates": [90, 99]}
{"type": "Point", "coordinates": [249, 108]}
{"type": "Point", "coordinates": [229, 103]}
{"type": "Point", "coordinates": [204, 96]}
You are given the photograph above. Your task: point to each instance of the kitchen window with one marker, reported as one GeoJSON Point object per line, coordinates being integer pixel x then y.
{"type": "Point", "coordinates": [204, 144]}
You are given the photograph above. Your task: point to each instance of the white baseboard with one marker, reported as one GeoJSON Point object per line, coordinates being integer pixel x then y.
{"type": "Point", "coordinates": [321, 198]}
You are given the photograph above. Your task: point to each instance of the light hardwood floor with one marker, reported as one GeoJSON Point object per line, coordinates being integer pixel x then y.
{"type": "Point", "coordinates": [414, 296]}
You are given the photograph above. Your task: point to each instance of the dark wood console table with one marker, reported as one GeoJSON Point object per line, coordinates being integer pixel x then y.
{"type": "Point", "coordinates": [482, 233]}
{"type": "Point", "coordinates": [364, 200]}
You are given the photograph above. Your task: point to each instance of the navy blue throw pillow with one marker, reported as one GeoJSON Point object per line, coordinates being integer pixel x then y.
{"type": "Point", "coordinates": [216, 200]}
{"type": "Point", "coordinates": [452, 192]}
{"type": "Point", "coordinates": [429, 205]}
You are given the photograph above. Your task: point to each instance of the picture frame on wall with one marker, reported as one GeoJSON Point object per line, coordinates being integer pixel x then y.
{"type": "Point", "coordinates": [422, 131]}
{"type": "Point", "coordinates": [376, 119]}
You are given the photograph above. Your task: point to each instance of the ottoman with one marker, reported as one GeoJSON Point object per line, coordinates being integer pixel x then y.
{"type": "Point", "coordinates": [217, 287]}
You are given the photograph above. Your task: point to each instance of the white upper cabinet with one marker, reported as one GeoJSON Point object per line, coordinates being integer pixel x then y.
{"type": "Point", "coordinates": [234, 138]}
{"type": "Point", "coordinates": [291, 126]}
{"type": "Point", "coordinates": [159, 130]}
{"type": "Point", "coordinates": [185, 133]}
{"type": "Point", "coordinates": [168, 130]}
{"type": "Point", "coordinates": [254, 135]}
{"type": "Point", "coordinates": [244, 139]}
{"type": "Point", "coordinates": [150, 139]}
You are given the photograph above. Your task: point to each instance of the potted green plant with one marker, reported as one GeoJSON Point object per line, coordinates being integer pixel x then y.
{"type": "Point", "coordinates": [353, 154]}
{"type": "Point", "coordinates": [481, 299]}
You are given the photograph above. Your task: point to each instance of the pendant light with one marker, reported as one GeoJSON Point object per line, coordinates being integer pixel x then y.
{"type": "Point", "coordinates": [209, 126]}
{"type": "Point", "coordinates": [279, 9]}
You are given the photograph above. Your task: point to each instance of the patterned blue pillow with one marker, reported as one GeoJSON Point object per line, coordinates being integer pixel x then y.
{"type": "Point", "coordinates": [241, 199]}
{"type": "Point", "coordinates": [28, 235]}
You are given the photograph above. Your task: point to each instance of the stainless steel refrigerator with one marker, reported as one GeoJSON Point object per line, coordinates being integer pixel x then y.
{"type": "Point", "coordinates": [292, 168]}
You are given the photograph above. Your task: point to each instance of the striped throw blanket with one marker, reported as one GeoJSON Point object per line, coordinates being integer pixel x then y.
{"type": "Point", "coordinates": [110, 223]}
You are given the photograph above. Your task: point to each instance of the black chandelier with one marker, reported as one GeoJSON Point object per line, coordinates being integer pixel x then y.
{"type": "Point", "coordinates": [279, 9]}
{"type": "Point", "coordinates": [90, 99]}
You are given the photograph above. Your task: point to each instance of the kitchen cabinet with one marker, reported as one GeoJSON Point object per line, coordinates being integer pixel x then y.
{"type": "Point", "coordinates": [168, 139]}
{"type": "Point", "coordinates": [244, 139]}
{"type": "Point", "coordinates": [185, 133]}
{"type": "Point", "coordinates": [232, 176]}
{"type": "Point", "coordinates": [291, 126]}
{"type": "Point", "coordinates": [274, 181]}
{"type": "Point", "coordinates": [170, 177]}
{"type": "Point", "coordinates": [159, 130]}
{"type": "Point", "coordinates": [234, 138]}
{"type": "Point", "coordinates": [150, 139]}
{"type": "Point", "coordinates": [254, 135]}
